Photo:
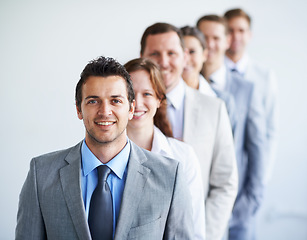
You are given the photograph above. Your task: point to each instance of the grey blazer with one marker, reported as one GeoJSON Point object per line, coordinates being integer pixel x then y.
{"type": "Point", "coordinates": [250, 143]}
{"type": "Point", "coordinates": [230, 106]}
{"type": "Point", "coordinates": [266, 86]}
{"type": "Point", "coordinates": [207, 129]}
{"type": "Point", "coordinates": [155, 202]}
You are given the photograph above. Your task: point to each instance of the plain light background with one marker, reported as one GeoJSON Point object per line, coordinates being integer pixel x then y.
{"type": "Point", "coordinates": [44, 45]}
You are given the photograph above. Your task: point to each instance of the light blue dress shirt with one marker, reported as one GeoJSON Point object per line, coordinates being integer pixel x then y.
{"type": "Point", "coordinates": [175, 109]}
{"type": "Point", "coordinates": [116, 179]}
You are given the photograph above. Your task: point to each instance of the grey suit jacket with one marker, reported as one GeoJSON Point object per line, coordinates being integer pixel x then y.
{"type": "Point", "coordinates": [250, 143]}
{"type": "Point", "coordinates": [207, 129]}
{"type": "Point", "coordinates": [266, 86]}
{"type": "Point", "coordinates": [155, 202]}
{"type": "Point", "coordinates": [230, 106]}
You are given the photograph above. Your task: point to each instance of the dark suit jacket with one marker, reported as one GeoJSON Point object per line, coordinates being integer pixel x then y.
{"type": "Point", "coordinates": [155, 202]}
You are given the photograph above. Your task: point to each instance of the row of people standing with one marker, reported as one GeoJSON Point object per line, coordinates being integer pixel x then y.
{"type": "Point", "coordinates": [211, 58]}
{"type": "Point", "coordinates": [222, 149]}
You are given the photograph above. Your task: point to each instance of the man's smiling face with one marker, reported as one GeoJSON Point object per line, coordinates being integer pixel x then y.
{"type": "Point", "coordinates": [165, 49]}
{"type": "Point", "coordinates": [105, 110]}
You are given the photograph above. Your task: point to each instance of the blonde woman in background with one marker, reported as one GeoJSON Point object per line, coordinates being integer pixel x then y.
{"type": "Point", "coordinates": [195, 43]}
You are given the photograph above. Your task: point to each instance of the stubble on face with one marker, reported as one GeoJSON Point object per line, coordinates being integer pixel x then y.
{"type": "Point", "coordinates": [105, 110]}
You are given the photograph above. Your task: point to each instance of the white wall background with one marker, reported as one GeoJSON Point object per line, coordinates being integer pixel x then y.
{"type": "Point", "coordinates": [44, 46]}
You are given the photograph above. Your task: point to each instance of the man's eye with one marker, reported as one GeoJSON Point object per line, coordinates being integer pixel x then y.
{"type": "Point", "coordinates": [153, 54]}
{"type": "Point", "coordinates": [91, 101]}
{"type": "Point", "coordinates": [116, 101]}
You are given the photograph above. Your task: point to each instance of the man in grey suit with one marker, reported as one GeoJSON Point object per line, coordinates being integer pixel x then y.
{"type": "Point", "coordinates": [144, 195]}
{"type": "Point", "coordinates": [239, 24]}
{"type": "Point", "coordinates": [198, 120]}
{"type": "Point", "coordinates": [249, 133]}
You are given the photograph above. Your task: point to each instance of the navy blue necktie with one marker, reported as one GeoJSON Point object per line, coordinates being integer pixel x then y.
{"type": "Point", "coordinates": [100, 218]}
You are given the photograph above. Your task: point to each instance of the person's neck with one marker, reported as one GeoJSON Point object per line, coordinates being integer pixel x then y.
{"type": "Point", "coordinates": [192, 80]}
{"type": "Point", "coordinates": [107, 151]}
{"type": "Point", "coordinates": [234, 56]}
{"type": "Point", "coordinates": [142, 137]}
{"type": "Point", "coordinates": [172, 87]}
{"type": "Point", "coordinates": [211, 67]}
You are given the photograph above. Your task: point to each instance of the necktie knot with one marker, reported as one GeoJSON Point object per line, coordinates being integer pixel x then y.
{"type": "Point", "coordinates": [103, 173]}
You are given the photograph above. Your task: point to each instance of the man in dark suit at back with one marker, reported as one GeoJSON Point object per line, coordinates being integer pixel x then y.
{"type": "Point", "coordinates": [105, 187]}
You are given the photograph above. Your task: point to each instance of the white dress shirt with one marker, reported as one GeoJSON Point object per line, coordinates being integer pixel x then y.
{"type": "Point", "coordinates": [218, 78]}
{"type": "Point", "coordinates": [175, 109]}
{"type": "Point", "coordinates": [204, 87]}
{"type": "Point", "coordinates": [240, 66]}
{"type": "Point", "coordinates": [184, 153]}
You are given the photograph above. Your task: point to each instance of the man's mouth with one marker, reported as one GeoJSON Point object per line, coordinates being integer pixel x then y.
{"type": "Point", "coordinates": [164, 72]}
{"type": "Point", "coordinates": [104, 123]}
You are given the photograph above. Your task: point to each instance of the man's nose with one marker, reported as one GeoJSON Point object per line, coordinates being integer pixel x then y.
{"type": "Point", "coordinates": [164, 61]}
{"type": "Point", "coordinates": [210, 43]}
{"type": "Point", "coordinates": [104, 109]}
{"type": "Point", "coordinates": [236, 35]}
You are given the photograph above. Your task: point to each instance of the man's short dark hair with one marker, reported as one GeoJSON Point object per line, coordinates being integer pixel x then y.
{"type": "Point", "coordinates": [103, 67]}
{"type": "Point", "coordinates": [213, 18]}
{"type": "Point", "coordinates": [159, 28]}
{"type": "Point", "coordinates": [237, 12]}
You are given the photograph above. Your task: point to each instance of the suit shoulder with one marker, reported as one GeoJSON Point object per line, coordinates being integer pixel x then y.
{"type": "Point", "coordinates": [198, 96]}
{"type": "Point", "coordinates": [179, 146]}
{"type": "Point", "coordinates": [242, 83]}
{"type": "Point", "coordinates": [256, 69]}
{"type": "Point", "coordinates": [154, 160]}
{"type": "Point", "coordinates": [54, 156]}
{"type": "Point", "coordinates": [259, 67]}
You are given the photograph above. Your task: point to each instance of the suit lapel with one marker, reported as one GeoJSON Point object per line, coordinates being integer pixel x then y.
{"type": "Point", "coordinates": [191, 113]}
{"type": "Point", "coordinates": [70, 179]}
{"type": "Point", "coordinates": [135, 182]}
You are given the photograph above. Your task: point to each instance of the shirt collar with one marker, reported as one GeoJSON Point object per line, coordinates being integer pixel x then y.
{"type": "Point", "coordinates": [117, 164]}
{"type": "Point", "coordinates": [176, 95]}
{"type": "Point", "coordinates": [219, 77]}
{"type": "Point", "coordinates": [160, 144]}
{"type": "Point", "coordinates": [204, 87]}
{"type": "Point", "coordinates": [240, 66]}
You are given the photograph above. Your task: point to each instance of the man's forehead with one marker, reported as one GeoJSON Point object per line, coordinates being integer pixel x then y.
{"type": "Point", "coordinates": [239, 22]}
{"type": "Point", "coordinates": [111, 85]}
{"type": "Point", "coordinates": [213, 27]}
{"type": "Point", "coordinates": [163, 40]}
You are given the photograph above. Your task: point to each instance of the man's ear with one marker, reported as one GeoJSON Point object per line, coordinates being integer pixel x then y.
{"type": "Point", "coordinates": [131, 110]}
{"type": "Point", "coordinates": [79, 113]}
